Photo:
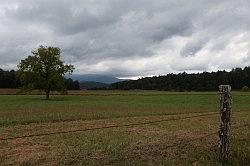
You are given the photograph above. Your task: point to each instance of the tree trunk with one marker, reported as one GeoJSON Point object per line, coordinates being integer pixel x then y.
{"type": "Point", "coordinates": [47, 94]}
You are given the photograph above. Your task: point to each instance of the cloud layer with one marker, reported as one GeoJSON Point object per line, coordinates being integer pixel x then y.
{"type": "Point", "coordinates": [129, 38]}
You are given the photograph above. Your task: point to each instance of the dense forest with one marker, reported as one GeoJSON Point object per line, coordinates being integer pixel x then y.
{"type": "Point", "coordinates": [9, 79]}
{"type": "Point", "coordinates": [206, 81]}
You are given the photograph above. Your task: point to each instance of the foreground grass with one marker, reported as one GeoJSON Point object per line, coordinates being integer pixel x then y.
{"type": "Point", "coordinates": [148, 144]}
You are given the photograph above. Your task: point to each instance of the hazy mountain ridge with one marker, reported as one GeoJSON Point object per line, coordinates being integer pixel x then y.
{"type": "Point", "coordinates": [94, 78]}
{"type": "Point", "coordinates": [93, 85]}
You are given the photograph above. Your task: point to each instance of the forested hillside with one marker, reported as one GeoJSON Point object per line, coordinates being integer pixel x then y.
{"type": "Point", "coordinates": [206, 81]}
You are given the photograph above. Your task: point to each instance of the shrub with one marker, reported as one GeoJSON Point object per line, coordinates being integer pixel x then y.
{"type": "Point", "coordinates": [245, 89]}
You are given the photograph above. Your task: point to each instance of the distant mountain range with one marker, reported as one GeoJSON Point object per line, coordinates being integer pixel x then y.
{"type": "Point", "coordinates": [93, 85]}
{"type": "Point", "coordinates": [94, 81]}
{"type": "Point", "coordinates": [94, 78]}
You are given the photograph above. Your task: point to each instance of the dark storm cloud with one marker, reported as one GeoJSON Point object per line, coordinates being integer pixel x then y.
{"type": "Point", "coordinates": [129, 38]}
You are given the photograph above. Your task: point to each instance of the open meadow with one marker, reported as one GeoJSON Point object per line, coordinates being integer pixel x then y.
{"type": "Point", "coordinates": [119, 128]}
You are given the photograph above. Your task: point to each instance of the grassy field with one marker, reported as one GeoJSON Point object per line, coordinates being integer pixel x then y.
{"type": "Point", "coordinates": [161, 143]}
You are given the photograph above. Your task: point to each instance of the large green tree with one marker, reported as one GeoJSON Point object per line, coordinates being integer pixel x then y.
{"type": "Point", "coordinates": [44, 70]}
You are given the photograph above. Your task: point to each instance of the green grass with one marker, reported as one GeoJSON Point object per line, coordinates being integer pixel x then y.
{"type": "Point", "coordinates": [137, 145]}
{"type": "Point", "coordinates": [23, 109]}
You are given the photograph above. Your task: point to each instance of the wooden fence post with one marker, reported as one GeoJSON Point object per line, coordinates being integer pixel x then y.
{"type": "Point", "coordinates": [225, 113]}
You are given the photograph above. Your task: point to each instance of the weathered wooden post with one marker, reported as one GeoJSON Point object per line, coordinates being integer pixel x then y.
{"type": "Point", "coordinates": [225, 113]}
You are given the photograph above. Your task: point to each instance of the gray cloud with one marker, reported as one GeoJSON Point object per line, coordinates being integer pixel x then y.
{"type": "Point", "coordinates": [193, 47]}
{"type": "Point", "coordinates": [129, 38]}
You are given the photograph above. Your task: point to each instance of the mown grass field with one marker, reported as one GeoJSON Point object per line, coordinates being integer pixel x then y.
{"type": "Point", "coordinates": [159, 143]}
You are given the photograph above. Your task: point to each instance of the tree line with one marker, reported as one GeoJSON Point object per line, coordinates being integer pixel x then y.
{"type": "Point", "coordinates": [10, 79]}
{"type": "Point", "coordinates": [206, 81]}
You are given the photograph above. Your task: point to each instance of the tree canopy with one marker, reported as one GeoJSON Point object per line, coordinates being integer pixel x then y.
{"type": "Point", "coordinates": [44, 70]}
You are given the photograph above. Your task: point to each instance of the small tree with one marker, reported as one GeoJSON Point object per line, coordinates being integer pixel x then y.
{"type": "Point", "coordinates": [44, 70]}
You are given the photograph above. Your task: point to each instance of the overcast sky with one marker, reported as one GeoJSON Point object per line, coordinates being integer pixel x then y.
{"type": "Point", "coordinates": [129, 38]}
